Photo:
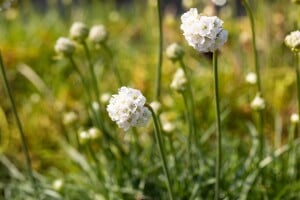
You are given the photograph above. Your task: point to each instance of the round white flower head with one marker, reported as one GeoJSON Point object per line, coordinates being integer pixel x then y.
{"type": "Point", "coordinates": [179, 81]}
{"type": "Point", "coordinates": [127, 108]}
{"type": "Point", "coordinates": [219, 2]}
{"type": "Point", "coordinates": [293, 41]}
{"type": "Point", "coordinates": [94, 133]}
{"type": "Point", "coordinates": [174, 51]}
{"type": "Point", "coordinates": [258, 103]}
{"type": "Point", "coordinates": [79, 31]}
{"type": "Point", "coordinates": [98, 34]}
{"type": "Point", "coordinates": [64, 46]}
{"type": "Point", "coordinates": [205, 34]}
{"type": "Point", "coordinates": [70, 118]}
{"type": "Point", "coordinates": [251, 78]}
{"type": "Point", "coordinates": [295, 118]}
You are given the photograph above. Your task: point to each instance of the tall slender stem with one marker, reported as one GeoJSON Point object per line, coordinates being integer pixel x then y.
{"type": "Point", "coordinates": [20, 127]}
{"type": "Point", "coordinates": [161, 150]}
{"type": "Point", "coordinates": [298, 79]}
{"type": "Point", "coordinates": [249, 11]}
{"type": "Point", "coordinates": [160, 51]}
{"type": "Point", "coordinates": [218, 133]}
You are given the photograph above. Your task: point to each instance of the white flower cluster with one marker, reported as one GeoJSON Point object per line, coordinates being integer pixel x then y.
{"type": "Point", "coordinates": [251, 78]}
{"type": "Point", "coordinates": [295, 118]}
{"type": "Point", "coordinates": [293, 40]}
{"type": "Point", "coordinates": [179, 81]}
{"type": "Point", "coordinates": [98, 34]}
{"type": "Point", "coordinates": [64, 46]}
{"type": "Point", "coordinates": [127, 108]}
{"type": "Point", "coordinates": [174, 51]}
{"type": "Point", "coordinates": [79, 31]}
{"type": "Point", "coordinates": [219, 2]}
{"type": "Point", "coordinates": [258, 103]}
{"type": "Point", "coordinates": [205, 34]}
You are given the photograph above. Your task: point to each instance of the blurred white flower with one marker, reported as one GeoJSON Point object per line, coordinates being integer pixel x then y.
{"type": "Point", "coordinates": [258, 103]}
{"type": "Point", "coordinates": [205, 34]}
{"type": "Point", "coordinates": [70, 118]}
{"type": "Point", "coordinates": [295, 118]}
{"type": "Point", "coordinates": [98, 34]}
{"type": "Point", "coordinates": [127, 108]}
{"type": "Point", "coordinates": [251, 78]}
{"type": "Point", "coordinates": [64, 46]}
{"type": "Point", "coordinates": [84, 136]}
{"type": "Point", "coordinates": [105, 98]}
{"type": "Point", "coordinates": [179, 81]}
{"type": "Point", "coordinates": [156, 106]}
{"type": "Point", "coordinates": [79, 31]}
{"type": "Point", "coordinates": [95, 105]}
{"type": "Point", "coordinates": [219, 2]}
{"type": "Point", "coordinates": [174, 51]}
{"type": "Point", "coordinates": [58, 184]}
{"type": "Point", "coordinates": [94, 133]}
{"type": "Point", "coordinates": [168, 127]}
{"type": "Point", "coordinates": [293, 41]}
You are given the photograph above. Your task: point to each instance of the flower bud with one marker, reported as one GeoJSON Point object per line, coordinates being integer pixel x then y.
{"type": "Point", "coordinates": [57, 184]}
{"type": "Point", "coordinates": [84, 136]}
{"type": "Point", "coordinates": [174, 52]}
{"type": "Point", "coordinates": [179, 81]}
{"type": "Point", "coordinates": [295, 118]}
{"type": "Point", "coordinates": [64, 46]}
{"type": "Point", "coordinates": [98, 34]}
{"type": "Point", "coordinates": [79, 31]}
{"type": "Point", "coordinates": [251, 78]}
{"type": "Point", "coordinates": [105, 98]}
{"type": "Point", "coordinates": [94, 133]}
{"type": "Point", "coordinates": [293, 41]}
{"type": "Point", "coordinates": [258, 103]}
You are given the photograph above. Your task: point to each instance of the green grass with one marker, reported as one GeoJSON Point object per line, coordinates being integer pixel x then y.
{"type": "Point", "coordinates": [27, 39]}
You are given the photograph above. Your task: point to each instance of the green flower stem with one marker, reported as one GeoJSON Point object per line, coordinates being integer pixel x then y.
{"type": "Point", "coordinates": [249, 11]}
{"type": "Point", "coordinates": [298, 80]}
{"type": "Point", "coordinates": [20, 128]}
{"type": "Point", "coordinates": [114, 67]}
{"type": "Point", "coordinates": [159, 141]}
{"type": "Point", "coordinates": [160, 52]}
{"type": "Point", "coordinates": [191, 107]}
{"type": "Point", "coordinates": [257, 70]}
{"type": "Point", "coordinates": [292, 155]}
{"type": "Point", "coordinates": [218, 133]}
{"type": "Point", "coordinates": [190, 122]}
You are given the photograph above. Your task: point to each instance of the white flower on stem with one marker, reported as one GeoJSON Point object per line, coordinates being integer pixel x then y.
{"type": "Point", "coordinates": [294, 118]}
{"type": "Point", "coordinates": [219, 2]}
{"type": "Point", "coordinates": [58, 184]}
{"type": "Point", "coordinates": [79, 31]}
{"type": "Point", "coordinates": [258, 103]}
{"type": "Point", "coordinates": [293, 41]}
{"type": "Point", "coordinates": [64, 46]}
{"type": "Point", "coordinates": [174, 51]}
{"type": "Point", "coordinates": [179, 81]}
{"type": "Point", "coordinates": [127, 108]}
{"type": "Point", "coordinates": [94, 133]}
{"type": "Point", "coordinates": [205, 34]}
{"type": "Point", "coordinates": [98, 34]}
{"type": "Point", "coordinates": [251, 78]}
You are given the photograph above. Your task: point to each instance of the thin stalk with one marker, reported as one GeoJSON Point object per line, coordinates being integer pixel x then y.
{"type": "Point", "coordinates": [298, 81]}
{"type": "Point", "coordinates": [20, 128]}
{"type": "Point", "coordinates": [190, 123]}
{"type": "Point", "coordinates": [218, 133]}
{"type": "Point", "coordinates": [159, 141]}
{"type": "Point", "coordinates": [250, 14]}
{"type": "Point", "coordinates": [114, 67]}
{"type": "Point", "coordinates": [191, 107]}
{"type": "Point", "coordinates": [160, 52]}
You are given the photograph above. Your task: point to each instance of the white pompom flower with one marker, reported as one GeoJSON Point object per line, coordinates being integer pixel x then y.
{"type": "Point", "coordinates": [251, 78]}
{"type": "Point", "coordinates": [98, 34]}
{"type": "Point", "coordinates": [64, 46]}
{"type": "Point", "coordinates": [127, 108]}
{"type": "Point", "coordinates": [205, 34]}
{"type": "Point", "coordinates": [179, 81]}
{"type": "Point", "coordinates": [79, 31]}
{"type": "Point", "coordinates": [293, 41]}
